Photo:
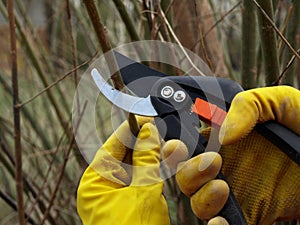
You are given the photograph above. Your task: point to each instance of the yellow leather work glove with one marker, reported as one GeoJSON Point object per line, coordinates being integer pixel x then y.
{"type": "Point", "coordinates": [265, 181]}
{"type": "Point", "coordinates": [109, 194]}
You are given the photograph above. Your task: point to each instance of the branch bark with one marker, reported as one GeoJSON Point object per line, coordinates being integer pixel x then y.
{"type": "Point", "coordinates": [6, 198]}
{"type": "Point", "coordinates": [104, 41]}
{"type": "Point", "coordinates": [110, 59]}
{"type": "Point", "coordinates": [249, 43]}
{"type": "Point", "coordinates": [291, 34]}
{"type": "Point", "coordinates": [189, 18]}
{"type": "Point", "coordinates": [268, 41]}
{"type": "Point", "coordinates": [16, 112]}
{"type": "Point", "coordinates": [127, 20]}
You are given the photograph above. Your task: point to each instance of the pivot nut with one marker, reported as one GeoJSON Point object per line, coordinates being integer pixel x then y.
{"type": "Point", "coordinates": [167, 91]}
{"type": "Point", "coordinates": [179, 96]}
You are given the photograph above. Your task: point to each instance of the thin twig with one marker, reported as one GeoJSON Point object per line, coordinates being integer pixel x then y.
{"type": "Point", "coordinates": [37, 65]}
{"type": "Point", "coordinates": [127, 20]}
{"type": "Point", "coordinates": [165, 31]}
{"type": "Point", "coordinates": [276, 29]}
{"type": "Point", "coordinates": [28, 186]}
{"type": "Point", "coordinates": [249, 45]}
{"type": "Point", "coordinates": [74, 53]}
{"type": "Point", "coordinates": [13, 205]}
{"type": "Point", "coordinates": [36, 126]}
{"type": "Point", "coordinates": [161, 24]}
{"type": "Point", "coordinates": [180, 45]}
{"type": "Point", "coordinates": [147, 12]}
{"type": "Point", "coordinates": [47, 173]}
{"type": "Point", "coordinates": [104, 42]}
{"type": "Point", "coordinates": [16, 111]}
{"type": "Point", "coordinates": [109, 56]}
{"type": "Point", "coordinates": [289, 64]}
{"type": "Point", "coordinates": [39, 48]}
{"type": "Point", "coordinates": [61, 175]}
{"type": "Point", "coordinates": [56, 82]}
{"type": "Point", "coordinates": [286, 22]}
{"type": "Point", "coordinates": [222, 18]}
{"type": "Point", "coordinates": [40, 71]}
{"type": "Point", "coordinates": [207, 59]}
{"type": "Point", "coordinates": [129, 24]}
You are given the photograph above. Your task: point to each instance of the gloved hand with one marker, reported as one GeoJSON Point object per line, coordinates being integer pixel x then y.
{"type": "Point", "coordinates": [265, 180]}
{"type": "Point", "coordinates": [110, 194]}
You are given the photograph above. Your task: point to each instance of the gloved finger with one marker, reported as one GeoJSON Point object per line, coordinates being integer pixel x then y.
{"type": "Point", "coordinates": [197, 171]}
{"type": "Point", "coordinates": [108, 160]}
{"type": "Point", "coordinates": [217, 221]}
{"type": "Point", "coordinates": [280, 103]}
{"type": "Point", "coordinates": [144, 119]}
{"type": "Point", "coordinates": [106, 171]}
{"type": "Point", "coordinates": [146, 156]}
{"type": "Point", "coordinates": [122, 139]}
{"type": "Point", "coordinates": [210, 199]}
{"type": "Point", "coordinates": [119, 142]}
{"type": "Point", "coordinates": [173, 152]}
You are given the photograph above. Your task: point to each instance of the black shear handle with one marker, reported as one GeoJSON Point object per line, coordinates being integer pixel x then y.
{"type": "Point", "coordinates": [284, 138]}
{"type": "Point", "coordinates": [175, 126]}
{"type": "Point", "coordinates": [232, 211]}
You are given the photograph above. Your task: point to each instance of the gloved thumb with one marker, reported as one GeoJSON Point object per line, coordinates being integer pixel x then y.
{"type": "Point", "coordinates": [173, 152]}
{"type": "Point", "coordinates": [217, 221]}
{"type": "Point", "coordinates": [280, 103]}
{"type": "Point", "coordinates": [146, 157]}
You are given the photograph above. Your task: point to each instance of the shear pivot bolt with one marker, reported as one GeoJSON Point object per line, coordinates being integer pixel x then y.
{"type": "Point", "coordinates": [167, 91]}
{"type": "Point", "coordinates": [179, 96]}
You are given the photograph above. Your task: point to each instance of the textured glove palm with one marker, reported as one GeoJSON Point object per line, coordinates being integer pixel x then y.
{"type": "Point", "coordinates": [264, 180]}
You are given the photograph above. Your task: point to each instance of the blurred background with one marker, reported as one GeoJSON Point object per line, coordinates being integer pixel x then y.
{"type": "Point", "coordinates": [252, 42]}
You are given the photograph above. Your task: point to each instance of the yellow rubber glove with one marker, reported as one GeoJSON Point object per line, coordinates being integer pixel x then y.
{"type": "Point", "coordinates": [109, 194]}
{"type": "Point", "coordinates": [265, 181]}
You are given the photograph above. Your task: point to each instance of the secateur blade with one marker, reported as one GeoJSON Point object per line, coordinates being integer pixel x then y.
{"type": "Point", "coordinates": [129, 103]}
{"type": "Point", "coordinates": [135, 74]}
{"type": "Point", "coordinates": [132, 70]}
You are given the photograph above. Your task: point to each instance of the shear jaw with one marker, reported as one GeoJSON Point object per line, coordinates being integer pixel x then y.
{"type": "Point", "coordinates": [129, 103]}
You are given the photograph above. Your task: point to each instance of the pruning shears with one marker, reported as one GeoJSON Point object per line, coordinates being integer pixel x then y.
{"type": "Point", "coordinates": [178, 102]}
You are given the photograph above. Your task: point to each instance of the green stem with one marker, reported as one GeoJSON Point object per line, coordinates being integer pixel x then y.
{"type": "Point", "coordinates": [130, 27]}
{"type": "Point", "coordinates": [291, 34]}
{"type": "Point", "coordinates": [43, 55]}
{"type": "Point", "coordinates": [16, 112]}
{"type": "Point", "coordinates": [268, 42]}
{"type": "Point", "coordinates": [106, 47]}
{"type": "Point", "coordinates": [32, 120]}
{"type": "Point", "coordinates": [37, 65]}
{"type": "Point", "coordinates": [249, 42]}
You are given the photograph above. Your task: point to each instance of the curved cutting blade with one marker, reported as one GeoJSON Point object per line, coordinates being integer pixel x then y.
{"type": "Point", "coordinates": [129, 103]}
{"type": "Point", "coordinates": [131, 70]}
{"type": "Point", "coordinates": [137, 77]}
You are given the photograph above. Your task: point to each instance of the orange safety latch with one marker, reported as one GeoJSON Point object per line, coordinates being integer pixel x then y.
{"type": "Point", "coordinates": [209, 113]}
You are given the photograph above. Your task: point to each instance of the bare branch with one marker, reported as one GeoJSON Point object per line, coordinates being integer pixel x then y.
{"type": "Point", "coordinates": [16, 111]}
{"type": "Point", "coordinates": [288, 66]}
{"type": "Point", "coordinates": [222, 18]}
{"type": "Point", "coordinates": [249, 43]}
{"type": "Point", "coordinates": [74, 52]}
{"type": "Point", "coordinates": [20, 105]}
{"type": "Point", "coordinates": [62, 171]}
{"type": "Point", "coordinates": [13, 205]}
{"type": "Point", "coordinates": [106, 47]}
{"type": "Point", "coordinates": [180, 45]}
{"type": "Point", "coordinates": [277, 30]}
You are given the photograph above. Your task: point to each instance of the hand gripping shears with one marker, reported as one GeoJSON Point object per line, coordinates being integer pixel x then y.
{"type": "Point", "coordinates": [178, 102]}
